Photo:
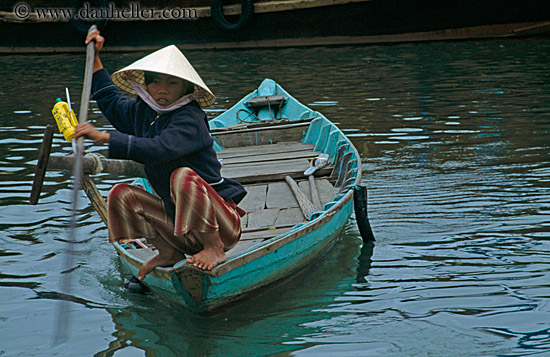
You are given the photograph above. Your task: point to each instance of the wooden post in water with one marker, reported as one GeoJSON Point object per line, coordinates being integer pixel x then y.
{"type": "Point", "coordinates": [41, 165]}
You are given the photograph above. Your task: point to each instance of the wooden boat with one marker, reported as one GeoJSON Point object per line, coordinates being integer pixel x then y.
{"type": "Point", "coordinates": [301, 173]}
{"type": "Point", "coordinates": [263, 23]}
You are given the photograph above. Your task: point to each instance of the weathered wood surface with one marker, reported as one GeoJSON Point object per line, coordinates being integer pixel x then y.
{"type": "Point", "coordinates": [279, 203]}
{"type": "Point", "coordinates": [265, 163]}
{"type": "Point", "coordinates": [276, 156]}
{"type": "Point", "coordinates": [314, 193]}
{"type": "Point", "coordinates": [242, 246]}
{"type": "Point", "coordinates": [324, 188]}
{"type": "Point", "coordinates": [255, 198]}
{"type": "Point", "coordinates": [116, 167]}
{"type": "Point", "coordinates": [279, 195]}
{"type": "Point", "coordinates": [265, 149]}
{"type": "Point", "coordinates": [269, 171]}
{"type": "Point", "coordinates": [265, 234]}
{"type": "Point", "coordinates": [258, 124]}
{"type": "Point", "coordinates": [303, 201]}
{"type": "Point", "coordinates": [261, 136]}
{"type": "Point", "coordinates": [144, 254]}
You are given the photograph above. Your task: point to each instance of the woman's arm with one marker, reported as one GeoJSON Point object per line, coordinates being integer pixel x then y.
{"type": "Point", "coordinates": [99, 41]}
{"type": "Point", "coordinates": [186, 132]}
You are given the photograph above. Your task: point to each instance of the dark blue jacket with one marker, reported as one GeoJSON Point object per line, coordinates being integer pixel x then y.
{"type": "Point", "coordinates": [162, 143]}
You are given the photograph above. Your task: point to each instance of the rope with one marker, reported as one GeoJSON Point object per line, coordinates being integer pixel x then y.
{"type": "Point", "coordinates": [98, 167]}
{"type": "Point", "coordinates": [249, 115]}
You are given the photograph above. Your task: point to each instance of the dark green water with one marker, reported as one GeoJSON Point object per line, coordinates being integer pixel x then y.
{"type": "Point", "coordinates": [455, 140]}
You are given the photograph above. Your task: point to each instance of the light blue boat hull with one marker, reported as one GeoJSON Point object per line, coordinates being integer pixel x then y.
{"type": "Point", "coordinates": [274, 259]}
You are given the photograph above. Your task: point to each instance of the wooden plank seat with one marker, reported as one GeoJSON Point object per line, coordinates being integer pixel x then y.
{"type": "Point", "coordinates": [264, 163]}
{"type": "Point", "coordinates": [288, 131]}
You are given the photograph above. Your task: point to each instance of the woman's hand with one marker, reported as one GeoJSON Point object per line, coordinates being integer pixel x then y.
{"type": "Point", "coordinates": [99, 41]}
{"type": "Point", "coordinates": [89, 131]}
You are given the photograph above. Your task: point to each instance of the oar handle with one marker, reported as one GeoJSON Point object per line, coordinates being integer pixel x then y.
{"type": "Point", "coordinates": [86, 90]}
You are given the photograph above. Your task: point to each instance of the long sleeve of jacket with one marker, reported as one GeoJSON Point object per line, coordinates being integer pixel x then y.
{"type": "Point", "coordinates": [119, 110]}
{"type": "Point", "coordinates": [169, 137]}
{"type": "Point", "coordinates": [144, 136]}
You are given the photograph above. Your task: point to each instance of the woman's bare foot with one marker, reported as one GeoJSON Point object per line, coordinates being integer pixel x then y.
{"type": "Point", "coordinates": [167, 256]}
{"type": "Point", "coordinates": [208, 258]}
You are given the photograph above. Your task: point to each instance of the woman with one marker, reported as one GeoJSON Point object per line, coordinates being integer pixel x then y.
{"type": "Point", "coordinates": [195, 210]}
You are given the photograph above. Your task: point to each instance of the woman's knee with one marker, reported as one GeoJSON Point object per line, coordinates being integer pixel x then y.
{"type": "Point", "coordinates": [182, 174]}
{"type": "Point", "coordinates": [118, 192]}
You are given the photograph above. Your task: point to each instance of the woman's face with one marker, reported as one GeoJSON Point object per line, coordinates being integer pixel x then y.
{"type": "Point", "coordinates": [166, 89]}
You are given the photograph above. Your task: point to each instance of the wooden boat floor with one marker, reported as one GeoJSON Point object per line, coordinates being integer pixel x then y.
{"type": "Point", "coordinates": [271, 206]}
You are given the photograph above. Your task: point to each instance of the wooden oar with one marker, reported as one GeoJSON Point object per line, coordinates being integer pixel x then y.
{"type": "Point", "coordinates": [63, 316]}
{"type": "Point", "coordinates": [305, 204]}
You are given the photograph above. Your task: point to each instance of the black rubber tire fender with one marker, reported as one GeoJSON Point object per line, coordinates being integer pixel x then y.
{"type": "Point", "coordinates": [83, 26]}
{"type": "Point", "coordinates": [216, 11]}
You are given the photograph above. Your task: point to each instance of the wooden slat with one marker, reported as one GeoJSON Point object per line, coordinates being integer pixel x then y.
{"type": "Point", "coordinates": [314, 193]}
{"type": "Point", "coordinates": [291, 215]}
{"type": "Point", "coordinates": [143, 254]}
{"type": "Point", "coordinates": [244, 221]}
{"type": "Point", "coordinates": [264, 172]}
{"type": "Point", "coordinates": [264, 217]}
{"type": "Point", "coordinates": [255, 198]}
{"type": "Point", "coordinates": [242, 246]}
{"type": "Point", "coordinates": [258, 124]}
{"type": "Point", "coordinates": [262, 136]}
{"type": "Point", "coordinates": [279, 195]}
{"type": "Point", "coordinates": [292, 162]}
{"type": "Point", "coordinates": [324, 187]}
{"type": "Point", "coordinates": [304, 154]}
{"type": "Point", "coordinates": [265, 149]}
{"type": "Point", "coordinates": [269, 128]}
{"type": "Point", "coordinates": [270, 227]}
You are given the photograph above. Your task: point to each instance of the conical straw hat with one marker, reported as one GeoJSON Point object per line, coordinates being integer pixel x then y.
{"type": "Point", "coordinates": [168, 60]}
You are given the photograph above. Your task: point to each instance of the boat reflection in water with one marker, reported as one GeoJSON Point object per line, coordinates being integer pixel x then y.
{"type": "Point", "coordinates": [278, 320]}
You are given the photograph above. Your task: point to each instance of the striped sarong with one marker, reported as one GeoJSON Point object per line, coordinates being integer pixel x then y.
{"type": "Point", "coordinates": [136, 213]}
